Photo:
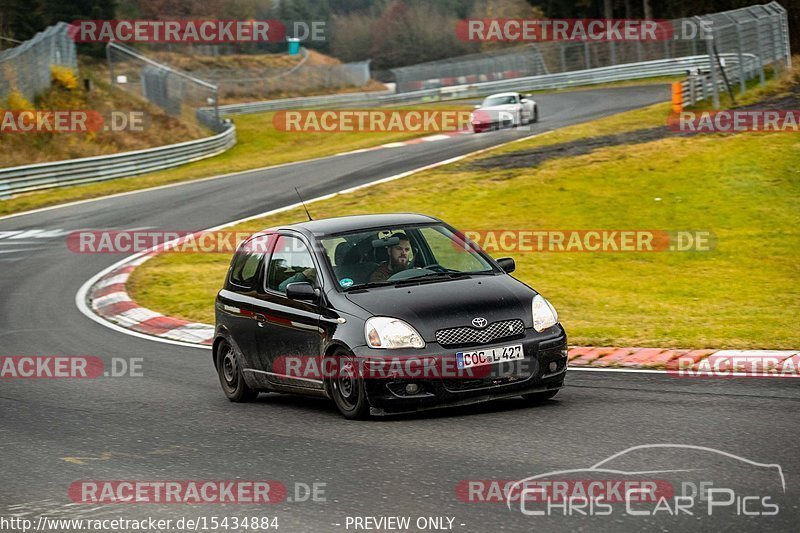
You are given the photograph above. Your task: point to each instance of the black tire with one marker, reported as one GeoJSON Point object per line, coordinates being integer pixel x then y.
{"type": "Point", "coordinates": [535, 114]}
{"type": "Point", "coordinates": [347, 387]}
{"type": "Point", "coordinates": [539, 397]}
{"type": "Point", "coordinates": [230, 375]}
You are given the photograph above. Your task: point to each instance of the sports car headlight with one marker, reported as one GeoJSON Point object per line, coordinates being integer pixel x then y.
{"type": "Point", "coordinates": [390, 333]}
{"type": "Point", "coordinates": [544, 314]}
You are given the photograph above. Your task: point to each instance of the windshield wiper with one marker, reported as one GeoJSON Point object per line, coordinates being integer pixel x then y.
{"type": "Point", "coordinates": [369, 285]}
{"type": "Point", "coordinates": [439, 276]}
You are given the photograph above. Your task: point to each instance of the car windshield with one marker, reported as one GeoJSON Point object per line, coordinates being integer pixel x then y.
{"type": "Point", "coordinates": [403, 255]}
{"type": "Point", "coordinates": [499, 100]}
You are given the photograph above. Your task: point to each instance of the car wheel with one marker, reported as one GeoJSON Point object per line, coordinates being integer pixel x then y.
{"type": "Point", "coordinates": [535, 114]}
{"type": "Point", "coordinates": [347, 387]}
{"type": "Point", "coordinates": [538, 397]}
{"type": "Point", "coordinates": [230, 375]}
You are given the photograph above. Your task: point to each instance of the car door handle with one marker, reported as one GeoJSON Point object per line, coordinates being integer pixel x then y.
{"type": "Point", "coordinates": [261, 319]}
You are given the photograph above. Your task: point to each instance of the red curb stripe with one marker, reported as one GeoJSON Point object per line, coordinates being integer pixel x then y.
{"type": "Point", "coordinates": [111, 310]}
{"type": "Point", "coordinates": [657, 360]}
{"type": "Point", "coordinates": [695, 355]}
{"type": "Point", "coordinates": [647, 357]}
{"type": "Point", "coordinates": [117, 272]}
{"type": "Point", "coordinates": [578, 351]}
{"type": "Point", "coordinates": [614, 358]}
{"type": "Point", "coordinates": [164, 323]}
{"type": "Point", "coordinates": [593, 353]}
{"type": "Point", "coordinates": [159, 325]}
{"type": "Point", "coordinates": [105, 291]}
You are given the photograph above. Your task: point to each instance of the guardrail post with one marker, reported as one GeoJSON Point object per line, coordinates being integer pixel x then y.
{"type": "Point", "coordinates": [692, 89]}
{"type": "Point", "coordinates": [712, 64]}
{"type": "Point", "coordinates": [742, 76]}
{"type": "Point", "coordinates": [110, 63]}
{"type": "Point", "coordinates": [586, 55]}
{"type": "Point", "coordinates": [563, 51]}
{"type": "Point", "coordinates": [760, 54]}
{"type": "Point", "coordinates": [776, 63]}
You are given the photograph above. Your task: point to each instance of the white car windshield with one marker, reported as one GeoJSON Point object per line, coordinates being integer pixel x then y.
{"type": "Point", "coordinates": [499, 100]}
{"type": "Point", "coordinates": [390, 255]}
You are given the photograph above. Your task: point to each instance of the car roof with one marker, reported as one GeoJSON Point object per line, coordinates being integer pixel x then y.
{"type": "Point", "coordinates": [501, 94]}
{"type": "Point", "coordinates": [327, 226]}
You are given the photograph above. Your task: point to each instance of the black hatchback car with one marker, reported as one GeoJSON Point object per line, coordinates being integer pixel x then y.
{"type": "Point", "coordinates": [382, 314]}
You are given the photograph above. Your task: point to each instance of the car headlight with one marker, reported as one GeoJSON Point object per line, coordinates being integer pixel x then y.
{"type": "Point", "coordinates": [390, 333]}
{"type": "Point", "coordinates": [544, 314]}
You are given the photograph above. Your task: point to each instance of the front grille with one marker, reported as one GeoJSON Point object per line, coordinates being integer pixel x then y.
{"type": "Point", "coordinates": [468, 335]}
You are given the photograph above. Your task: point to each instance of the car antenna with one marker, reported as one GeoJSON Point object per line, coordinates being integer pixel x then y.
{"type": "Point", "coordinates": [304, 205]}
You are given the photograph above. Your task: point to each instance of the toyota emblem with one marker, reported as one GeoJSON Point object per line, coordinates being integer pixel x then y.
{"type": "Point", "coordinates": [479, 322]}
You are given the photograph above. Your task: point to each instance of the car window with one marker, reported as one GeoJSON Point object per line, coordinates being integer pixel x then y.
{"type": "Point", "coordinates": [499, 100]}
{"type": "Point", "coordinates": [246, 261]}
{"type": "Point", "coordinates": [450, 253]}
{"type": "Point", "coordinates": [290, 262]}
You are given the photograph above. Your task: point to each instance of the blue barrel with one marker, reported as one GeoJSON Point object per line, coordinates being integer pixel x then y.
{"type": "Point", "coordinates": [294, 45]}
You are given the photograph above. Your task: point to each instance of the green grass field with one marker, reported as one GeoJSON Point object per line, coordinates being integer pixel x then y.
{"type": "Point", "coordinates": [744, 188]}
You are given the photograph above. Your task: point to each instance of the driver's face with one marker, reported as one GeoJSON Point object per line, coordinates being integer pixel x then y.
{"type": "Point", "coordinates": [399, 254]}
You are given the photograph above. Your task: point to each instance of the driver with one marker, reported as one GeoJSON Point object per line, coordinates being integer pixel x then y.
{"type": "Point", "coordinates": [398, 260]}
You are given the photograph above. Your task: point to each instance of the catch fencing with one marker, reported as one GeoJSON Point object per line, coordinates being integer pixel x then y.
{"type": "Point", "coordinates": [761, 30]}
{"type": "Point", "coordinates": [178, 93]}
{"type": "Point", "coordinates": [749, 41]}
{"type": "Point", "coordinates": [500, 65]}
{"type": "Point", "coordinates": [26, 68]}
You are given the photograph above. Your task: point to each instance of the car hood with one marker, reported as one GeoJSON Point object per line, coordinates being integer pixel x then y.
{"type": "Point", "coordinates": [445, 304]}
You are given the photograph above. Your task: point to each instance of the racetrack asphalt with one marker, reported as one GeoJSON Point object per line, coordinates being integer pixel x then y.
{"type": "Point", "coordinates": [173, 423]}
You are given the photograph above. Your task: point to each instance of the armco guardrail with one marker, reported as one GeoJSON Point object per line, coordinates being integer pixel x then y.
{"type": "Point", "coordinates": [90, 169]}
{"type": "Point", "coordinates": [702, 85]}
{"type": "Point", "coordinates": [628, 71]}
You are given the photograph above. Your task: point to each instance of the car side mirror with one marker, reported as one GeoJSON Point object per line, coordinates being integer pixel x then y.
{"type": "Point", "coordinates": [506, 263]}
{"type": "Point", "coordinates": [302, 290]}
{"type": "Point", "coordinates": [477, 107]}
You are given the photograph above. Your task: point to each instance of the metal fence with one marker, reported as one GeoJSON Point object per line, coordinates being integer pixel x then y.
{"type": "Point", "coordinates": [176, 92]}
{"type": "Point", "coordinates": [26, 68]}
{"type": "Point", "coordinates": [631, 71]}
{"type": "Point", "coordinates": [90, 169]}
{"type": "Point", "coordinates": [499, 65]}
{"type": "Point", "coordinates": [237, 84]}
{"type": "Point", "coordinates": [761, 30]}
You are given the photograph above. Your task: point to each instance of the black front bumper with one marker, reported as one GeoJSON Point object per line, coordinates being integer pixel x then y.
{"type": "Point", "coordinates": [533, 373]}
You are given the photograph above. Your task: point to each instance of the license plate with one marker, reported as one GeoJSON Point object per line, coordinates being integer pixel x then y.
{"type": "Point", "coordinates": [489, 356]}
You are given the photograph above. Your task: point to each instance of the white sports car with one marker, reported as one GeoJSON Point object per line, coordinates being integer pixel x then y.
{"type": "Point", "coordinates": [504, 109]}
